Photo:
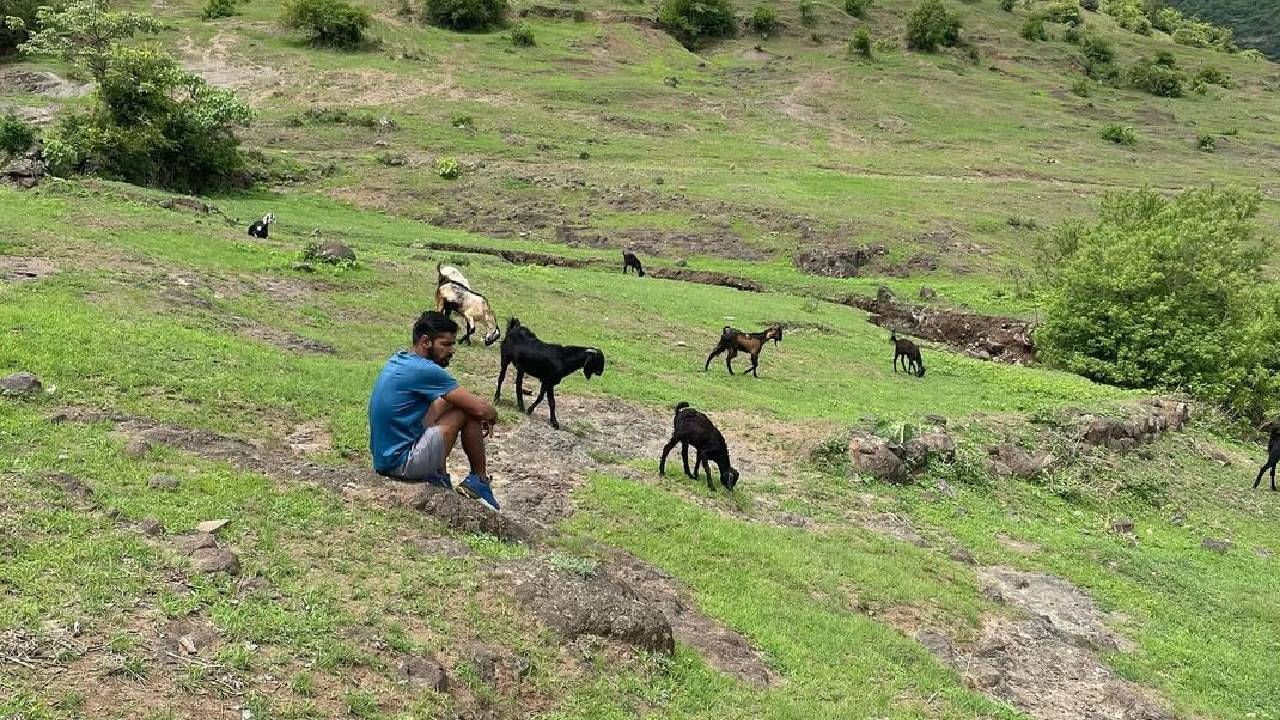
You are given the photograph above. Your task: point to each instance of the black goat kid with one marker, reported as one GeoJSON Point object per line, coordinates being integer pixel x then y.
{"type": "Point", "coordinates": [547, 362]}
{"type": "Point", "coordinates": [734, 341]}
{"type": "Point", "coordinates": [694, 428]}
{"type": "Point", "coordinates": [631, 262]}
{"type": "Point", "coordinates": [261, 228]}
{"type": "Point", "coordinates": [1273, 457]}
{"type": "Point", "coordinates": [909, 354]}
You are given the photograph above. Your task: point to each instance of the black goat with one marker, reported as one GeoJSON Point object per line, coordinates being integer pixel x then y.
{"type": "Point", "coordinates": [909, 353]}
{"type": "Point", "coordinates": [694, 428]}
{"type": "Point", "coordinates": [631, 262]}
{"type": "Point", "coordinates": [548, 363]}
{"type": "Point", "coordinates": [260, 228]}
{"type": "Point", "coordinates": [734, 341]}
{"type": "Point", "coordinates": [1273, 457]}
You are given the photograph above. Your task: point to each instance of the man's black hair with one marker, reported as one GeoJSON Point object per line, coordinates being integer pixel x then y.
{"type": "Point", "coordinates": [432, 325]}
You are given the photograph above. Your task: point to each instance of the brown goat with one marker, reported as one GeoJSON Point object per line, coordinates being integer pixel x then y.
{"type": "Point", "coordinates": [733, 341]}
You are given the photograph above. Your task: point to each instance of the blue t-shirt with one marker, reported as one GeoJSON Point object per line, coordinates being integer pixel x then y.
{"type": "Point", "coordinates": [405, 389]}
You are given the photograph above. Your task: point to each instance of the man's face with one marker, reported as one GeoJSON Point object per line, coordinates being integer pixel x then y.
{"type": "Point", "coordinates": [438, 349]}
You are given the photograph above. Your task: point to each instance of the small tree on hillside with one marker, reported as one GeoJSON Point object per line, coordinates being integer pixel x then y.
{"type": "Point", "coordinates": [693, 21]}
{"type": "Point", "coordinates": [465, 14]}
{"type": "Point", "coordinates": [333, 23]}
{"type": "Point", "coordinates": [931, 25]}
{"type": "Point", "coordinates": [1163, 293]}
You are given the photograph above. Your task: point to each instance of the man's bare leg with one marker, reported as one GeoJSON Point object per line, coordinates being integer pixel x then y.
{"type": "Point", "coordinates": [454, 422]}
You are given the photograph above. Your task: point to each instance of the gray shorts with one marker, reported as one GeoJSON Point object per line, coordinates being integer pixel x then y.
{"type": "Point", "coordinates": [425, 458]}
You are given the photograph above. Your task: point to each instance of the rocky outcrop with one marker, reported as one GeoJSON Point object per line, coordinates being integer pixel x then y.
{"type": "Point", "coordinates": [1155, 418]}
{"type": "Point", "coordinates": [886, 460]}
{"type": "Point", "coordinates": [986, 337]}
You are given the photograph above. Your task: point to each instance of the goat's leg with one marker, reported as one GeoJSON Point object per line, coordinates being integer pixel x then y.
{"type": "Point", "coordinates": [707, 467]}
{"type": "Point", "coordinates": [1268, 465]}
{"type": "Point", "coordinates": [542, 392]}
{"type": "Point", "coordinates": [755, 363]}
{"type": "Point", "coordinates": [1273, 477]}
{"type": "Point", "coordinates": [728, 360]}
{"type": "Point", "coordinates": [684, 452]}
{"type": "Point", "coordinates": [551, 403]}
{"type": "Point", "coordinates": [895, 361]}
{"type": "Point", "coordinates": [470, 329]}
{"type": "Point", "coordinates": [519, 389]}
{"type": "Point", "coordinates": [502, 375]}
{"type": "Point", "coordinates": [719, 349]}
{"type": "Point", "coordinates": [662, 462]}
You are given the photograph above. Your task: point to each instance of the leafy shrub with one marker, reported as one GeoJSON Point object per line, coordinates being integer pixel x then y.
{"type": "Point", "coordinates": [1120, 134]}
{"type": "Point", "coordinates": [462, 122]}
{"type": "Point", "coordinates": [1082, 87]}
{"type": "Point", "coordinates": [1090, 5]}
{"type": "Point", "coordinates": [861, 43]}
{"type": "Point", "coordinates": [15, 135]}
{"type": "Point", "coordinates": [1007, 5]}
{"type": "Point", "coordinates": [1065, 12]}
{"type": "Point", "coordinates": [1163, 293]}
{"type": "Point", "coordinates": [931, 25]}
{"type": "Point", "coordinates": [857, 8]}
{"type": "Point", "coordinates": [448, 168]}
{"type": "Point", "coordinates": [465, 14]}
{"type": "Point", "coordinates": [806, 11]}
{"type": "Point", "coordinates": [214, 9]}
{"type": "Point", "coordinates": [1034, 30]}
{"type": "Point", "coordinates": [152, 123]}
{"type": "Point", "coordinates": [1073, 34]}
{"type": "Point", "coordinates": [1213, 75]}
{"type": "Point", "coordinates": [694, 21]}
{"type": "Point", "coordinates": [1207, 142]}
{"type": "Point", "coordinates": [332, 23]}
{"type": "Point", "coordinates": [522, 35]}
{"type": "Point", "coordinates": [763, 20]}
{"type": "Point", "coordinates": [1159, 77]}
{"type": "Point", "coordinates": [1099, 57]}
{"type": "Point", "coordinates": [24, 11]}
{"type": "Point", "coordinates": [1253, 54]}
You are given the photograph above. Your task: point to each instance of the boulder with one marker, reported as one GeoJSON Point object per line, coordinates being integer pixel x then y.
{"type": "Point", "coordinates": [876, 457]}
{"type": "Point", "coordinates": [919, 451]}
{"type": "Point", "coordinates": [1219, 546]}
{"type": "Point", "coordinates": [151, 527]}
{"type": "Point", "coordinates": [216, 560]}
{"type": "Point", "coordinates": [424, 672]}
{"type": "Point", "coordinates": [466, 515]}
{"type": "Point", "coordinates": [25, 171]}
{"type": "Point", "coordinates": [332, 251]}
{"type": "Point", "coordinates": [1012, 461]}
{"type": "Point", "coordinates": [22, 384]}
{"type": "Point", "coordinates": [195, 541]}
{"type": "Point", "coordinates": [163, 482]}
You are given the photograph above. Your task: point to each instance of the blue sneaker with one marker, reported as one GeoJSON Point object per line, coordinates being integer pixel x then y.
{"type": "Point", "coordinates": [478, 489]}
{"type": "Point", "coordinates": [440, 480]}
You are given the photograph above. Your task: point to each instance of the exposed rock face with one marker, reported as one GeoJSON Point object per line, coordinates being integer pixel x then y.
{"type": "Point", "coordinates": [1156, 418]}
{"type": "Point", "coordinates": [467, 515]}
{"type": "Point", "coordinates": [25, 171]}
{"type": "Point", "coordinates": [332, 251]}
{"type": "Point", "coordinates": [987, 337]}
{"type": "Point", "coordinates": [838, 262]}
{"type": "Point", "coordinates": [886, 460]}
{"type": "Point", "coordinates": [22, 384]}
{"type": "Point", "coordinates": [1012, 461]}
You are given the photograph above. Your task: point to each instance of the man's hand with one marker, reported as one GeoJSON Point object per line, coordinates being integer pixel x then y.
{"type": "Point", "coordinates": [471, 404]}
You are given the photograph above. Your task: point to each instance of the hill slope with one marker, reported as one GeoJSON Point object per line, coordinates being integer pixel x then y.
{"type": "Point", "coordinates": [191, 373]}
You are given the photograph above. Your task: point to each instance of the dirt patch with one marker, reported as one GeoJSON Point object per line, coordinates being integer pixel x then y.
{"type": "Point", "coordinates": [217, 64]}
{"type": "Point", "coordinates": [1046, 663]}
{"type": "Point", "coordinates": [838, 262]}
{"type": "Point", "coordinates": [516, 257]}
{"type": "Point", "coordinates": [703, 277]}
{"type": "Point", "coordinates": [40, 82]}
{"type": "Point", "coordinates": [986, 337]}
{"type": "Point", "coordinates": [309, 439]}
{"type": "Point", "coordinates": [718, 242]}
{"type": "Point", "coordinates": [24, 269]}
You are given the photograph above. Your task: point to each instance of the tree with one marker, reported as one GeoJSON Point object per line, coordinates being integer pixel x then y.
{"type": "Point", "coordinates": [931, 25]}
{"type": "Point", "coordinates": [334, 23]}
{"type": "Point", "coordinates": [692, 21]}
{"type": "Point", "coordinates": [1163, 293]}
{"type": "Point", "coordinates": [153, 123]}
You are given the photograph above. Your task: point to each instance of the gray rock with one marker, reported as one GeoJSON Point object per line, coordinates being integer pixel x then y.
{"type": "Point", "coordinates": [1219, 546]}
{"type": "Point", "coordinates": [875, 456]}
{"type": "Point", "coordinates": [151, 527]}
{"type": "Point", "coordinates": [138, 448]}
{"type": "Point", "coordinates": [216, 560]}
{"type": "Point", "coordinates": [332, 251]}
{"type": "Point", "coordinates": [424, 672]}
{"type": "Point", "coordinates": [25, 171]}
{"type": "Point", "coordinates": [22, 384]}
{"type": "Point", "coordinates": [961, 555]}
{"type": "Point", "coordinates": [162, 482]}
{"type": "Point", "coordinates": [497, 667]}
{"type": "Point", "coordinates": [919, 451]}
{"type": "Point", "coordinates": [928, 293]}
{"type": "Point", "coordinates": [466, 515]}
{"type": "Point", "coordinates": [1012, 461]}
{"type": "Point", "coordinates": [1123, 526]}
{"type": "Point", "coordinates": [195, 541]}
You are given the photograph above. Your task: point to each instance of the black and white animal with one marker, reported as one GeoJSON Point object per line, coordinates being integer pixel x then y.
{"type": "Point", "coordinates": [692, 428]}
{"type": "Point", "coordinates": [1273, 457]}
{"type": "Point", "coordinates": [260, 228]}
{"type": "Point", "coordinates": [547, 362]}
{"type": "Point", "coordinates": [454, 294]}
{"type": "Point", "coordinates": [909, 353]}
{"type": "Point", "coordinates": [631, 262]}
{"type": "Point", "coordinates": [734, 341]}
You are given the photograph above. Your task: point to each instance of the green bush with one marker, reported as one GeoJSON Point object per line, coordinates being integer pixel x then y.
{"type": "Point", "coordinates": [763, 19]}
{"type": "Point", "coordinates": [1207, 142]}
{"type": "Point", "coordinates": [1082, 87]}
{"type": "Point", "coordinates": [465, 14]}
{"type": "Point", "coordinates": [1164, 294]}
{"type": "Point", "coordinates": [806, 11]}
{"type": "Point", "coordinates": [448, 168]}
{"type": "Point", "coordinates": [1090, 5]}
{"type": "Point", "coordinates": [860, 43]}
{"type": "Point", "coordinates": [857, 8]}
{"type": "Point", "coordinates": [1120, 134]}
{"type": "Point", "coordinates": [1213, 75]}
{"type": "Point", "coordinates": [692, 22]}
{"type": "Point", "coordinates": [1159, 77]}
{"type": "Point", "coordinates": [332, 23]}
{"type": "Point", "coordinates": [931, 25]}
{"type": "Point", "coordinates": [1073, 34]}
{"type": "Point", "coordinates": [1065, 12]}
{"type": "Point", "coordinates": [1099, 57]}
{"type": "Point", "coordinates": [11, 36]}
{"type": "Point", "coordinates": [1007, 5]}
{"type": "Point", "coordinates": [214, 9]}
{"type": "Point", "coordinates": [15, 135]}
{"type": "Point", "coordinates": [522, 35]}
{"type": "Point", "coordinates": [1033, 29]}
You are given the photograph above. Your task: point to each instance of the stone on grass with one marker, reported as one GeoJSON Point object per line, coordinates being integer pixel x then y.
{"type": "Point", "coordinates": [162, 482]}
{"type": "Point", "coordinates": [875, 456]}
{"type": "Point", "coordinates": [1123, 526]}
{"type": "Point", "coordinates": [151, 527]}
{"type": "Point", "coordinates": [424, 672]}
{"type": "Point", "coordinates": [194, 541]}
{"type": "Point", "coordinates": [216, 560]}
{"type": "Point", "coordinates": [22, 384]}
{"type": "Point", "coordinates": [1219, 546]}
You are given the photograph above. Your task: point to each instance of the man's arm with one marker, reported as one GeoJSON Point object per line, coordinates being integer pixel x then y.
{"type": "Point", "coordinates": [471, 404]}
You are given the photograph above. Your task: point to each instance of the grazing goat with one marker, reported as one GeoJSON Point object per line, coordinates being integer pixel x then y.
{"type": "Point", "coordinates": [1273, 457]}
{"type": "Point", "coordinates": [694, 428]}
{"type": "Point", "coordinates": [454, 294]}
{"type": "Point", "coordinates": [631, 262]}
{"type": "Point", "coordinates": [260, 228]}
{"type": "Point", "coordinates": [547, 362]}
{"type": "Point", "coordinates": [734, 341]}
{"type": "Point", "coordinates": [908, 353]}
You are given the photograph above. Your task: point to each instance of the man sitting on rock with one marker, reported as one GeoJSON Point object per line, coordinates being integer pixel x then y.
{"type": "Point", "coordinates": [417, 412]}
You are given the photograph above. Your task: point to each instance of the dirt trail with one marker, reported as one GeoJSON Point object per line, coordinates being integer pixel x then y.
{"type": "Point", "coordinates": [796, 104]}
{"type": "Point", "coordinates": [216, 65]}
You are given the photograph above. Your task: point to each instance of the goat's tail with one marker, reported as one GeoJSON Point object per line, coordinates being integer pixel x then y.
{"type": "Point", "coordinates": [893, 336]}
{"type": "Point", "coordinates": [681, 405]}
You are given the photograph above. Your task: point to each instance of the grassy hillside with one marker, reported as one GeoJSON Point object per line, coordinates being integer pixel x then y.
{"type": "Point", "coordinates": [171, 344]}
